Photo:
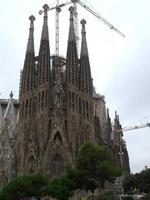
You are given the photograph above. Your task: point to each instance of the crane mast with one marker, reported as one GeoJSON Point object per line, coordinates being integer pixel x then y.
{"type": "Point", "coordinates": [75, 2]}
{"type": "Point", "coordinates": [58, 10]}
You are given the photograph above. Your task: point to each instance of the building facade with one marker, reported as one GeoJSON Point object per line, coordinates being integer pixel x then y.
{"type": "Point", "coordinates": [58, 107]}
{"type": "Point", "coordinates": [9, 109]}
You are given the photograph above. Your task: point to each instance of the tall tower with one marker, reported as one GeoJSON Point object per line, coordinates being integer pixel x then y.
{"type": "Point", "coordinates": [8, 121]}
{"type": "Point", "coordinates": [43, 88]}
{"type": "Point", "coordinates": [27, 105]}
{"type": "Point", "coordinates": [72, 88]}
{"type": "Point", "coordinates": [86, 91]}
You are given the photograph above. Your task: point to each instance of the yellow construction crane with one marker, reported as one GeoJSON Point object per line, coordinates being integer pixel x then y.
{"type": "Point", "coordinates": [133, 127]}
{"type": "Point", "coordinates": [58, 7]}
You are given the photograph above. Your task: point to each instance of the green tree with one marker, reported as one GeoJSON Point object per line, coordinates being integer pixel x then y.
{"type": "Point", "coordinates": [129, 183]}
{"type": "Point", "coordinates": [98, 163]}
{"type": "Point", "coordinates": [81, 179]}
{"type": "Point", "coordinates": [24, 186]}
{"type": "Point", "coordinates": [60, 188]}
{"type": "Point", "coordinates": [143, 180]}
{"type": "Point", "coordinates": [139, 181]}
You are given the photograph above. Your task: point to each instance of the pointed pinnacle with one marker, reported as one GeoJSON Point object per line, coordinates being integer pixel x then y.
{"type": "Point", "coordinates": [71, 9]}
{"type": "Point", "coordinates": [45, 7]}
{"type": "Point", "coordinates": [30, 45]}
{"type": "Point", "coordinates": [11, 95]}
{"type": "Point", "coordinates": [83, 22]}
{"type": "Point", "coordinates": [32, 18]}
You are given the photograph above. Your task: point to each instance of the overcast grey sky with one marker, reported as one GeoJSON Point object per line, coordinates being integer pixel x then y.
{"type": "Point", "coordinates": [120, 66]}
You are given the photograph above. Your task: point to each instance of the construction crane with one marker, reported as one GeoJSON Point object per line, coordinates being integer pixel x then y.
{"type": "Point", "coordinates": [117, 131]}
{"type": "Point", "coordinates": [92, 11]}
{"type": "Point", "coordinates": [133, 127]}
{"type": "Point", "coordinates": [58, 10]}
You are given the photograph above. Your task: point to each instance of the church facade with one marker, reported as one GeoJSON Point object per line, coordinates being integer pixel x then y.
{"type": "Point", "coordinates": [59, 109]}
{"type": "Point", "coordinates": [9, 109]}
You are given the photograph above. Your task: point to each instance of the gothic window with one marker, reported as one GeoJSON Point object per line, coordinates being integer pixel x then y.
{"type": "Point", "coordinates": [58, 137]}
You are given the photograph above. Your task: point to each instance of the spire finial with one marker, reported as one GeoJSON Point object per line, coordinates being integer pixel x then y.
{"type": "Point", "coordinates": [83, 22]}
{"type": "Point", "coordinates": [30, 45]}
{"type": "Point", "coordinates": [45, 34]}
{"type": "Point", "coordinates": [116, 116]}
{"type": "Point", "coordinates": [11, 95]}
{"type": "Point", "coordinates": [32, 18]}
{"type": "Point", "coordinates": [71, 9]}
{"type": "Point", "coordinates": [45, 7]}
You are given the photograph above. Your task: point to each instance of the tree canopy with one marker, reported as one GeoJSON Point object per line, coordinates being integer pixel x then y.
{"type": "Point", "coordinates": [137, 182]}
{"type": "Point", "coordinates": [60, 188]}
{"type": "Point", "coordinates": [24, 186]}
{"type": "Point", "coordinates": [98, 163]}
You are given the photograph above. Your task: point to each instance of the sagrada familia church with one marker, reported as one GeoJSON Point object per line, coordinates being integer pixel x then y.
{"type": "Point", "coordinates": [58, 110]}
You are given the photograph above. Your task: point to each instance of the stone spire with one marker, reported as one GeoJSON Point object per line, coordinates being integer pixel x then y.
{"type": "Point", "coordinates": [45, 33]}
{"type": "Point", "coordinates": [109, 126]}
{"type": "Point", "coordinates": [85, 79]}
{"type": "Point", "coordinates": [71, 29]}
{"type": "Point", "coordinates": [28, 69]}
{"type": "Point", "coordinates": [10, 117]}
{"type": "Point", "coordinates": [72, 56]}
{"type": "Point", "coordinates": [30, 45]}
{"type": "Point", "coordinates": [43, 75]}
{"type": "Point", "coordinates": [84, 49]}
